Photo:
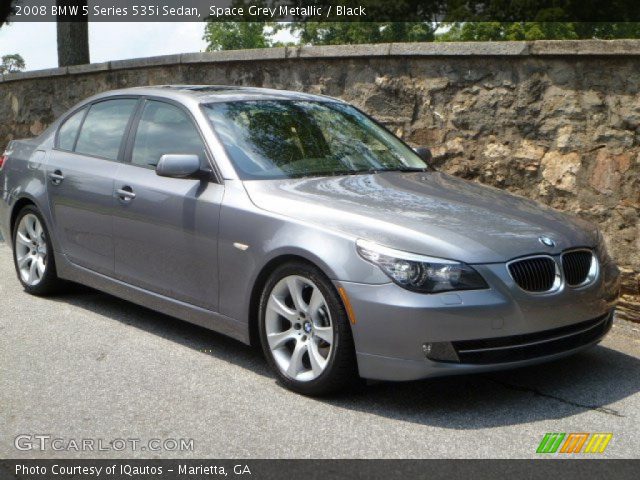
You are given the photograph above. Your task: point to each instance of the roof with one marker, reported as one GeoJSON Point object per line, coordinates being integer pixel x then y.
{"type": "Point", "coordinates": [220, 93]}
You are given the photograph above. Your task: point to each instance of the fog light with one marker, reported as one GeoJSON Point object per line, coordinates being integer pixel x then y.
{"type": "Point", "coordinates": [440, 352]}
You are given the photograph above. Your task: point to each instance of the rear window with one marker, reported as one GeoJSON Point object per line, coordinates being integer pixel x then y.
{"type": "Point", "coordinates": [104, 128]}
{"type": "Point", "coordinates": [69, 130]}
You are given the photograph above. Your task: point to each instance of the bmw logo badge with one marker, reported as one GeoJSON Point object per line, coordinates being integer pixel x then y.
{"type": "Point", "coordinates": [547, 241]}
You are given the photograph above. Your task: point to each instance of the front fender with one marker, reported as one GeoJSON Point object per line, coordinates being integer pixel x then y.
{"type": "Point", "coordinates": [269, 236]}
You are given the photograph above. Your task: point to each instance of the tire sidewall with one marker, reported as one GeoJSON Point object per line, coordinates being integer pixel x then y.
{"type": "Point", "coordinates": [342, 347]}
{"type": "Point", "coordinates": [47, 283]}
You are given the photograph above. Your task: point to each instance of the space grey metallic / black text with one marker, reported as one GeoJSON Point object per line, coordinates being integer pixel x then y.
{"type": "Point", "coordinates": [298, 223]}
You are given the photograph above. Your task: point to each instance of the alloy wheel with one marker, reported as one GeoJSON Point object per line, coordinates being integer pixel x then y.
{"type": "Point", "coordinates": [31, 250]}
{"type": "Point", "coordinates": [299, 328]}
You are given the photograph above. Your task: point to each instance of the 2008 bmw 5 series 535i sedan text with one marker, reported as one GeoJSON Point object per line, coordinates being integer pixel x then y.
{"type": "Point", "coordinates": [298, 223]}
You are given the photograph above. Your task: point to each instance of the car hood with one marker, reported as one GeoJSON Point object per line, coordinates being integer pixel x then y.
{"type": "Point", "coordinates": [430, 213]}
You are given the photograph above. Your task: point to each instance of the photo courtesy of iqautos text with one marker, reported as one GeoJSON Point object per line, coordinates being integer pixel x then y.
{"type": "Point", "coordinates": [319, 239]}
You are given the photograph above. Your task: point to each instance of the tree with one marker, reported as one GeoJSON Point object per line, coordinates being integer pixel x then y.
{"type": "Point", "coordinates": [498, 31]}
{"type": "Point", "coordinates": [464, 20]}
{"type": "Point", "coordinates": [338, 33]}
{"type": "Point", "coordinates": [72, 32]}
{"type": "Point", "coordinates": [242, 35]}
{"type": "Point", "coordinates": [73, 36]}
{"type": "Point", "coordinates": [236, 35]}
{"type": "Point", "coordinates": [12, 63]}
{"type": "Point", "coordinates": [6, 9]}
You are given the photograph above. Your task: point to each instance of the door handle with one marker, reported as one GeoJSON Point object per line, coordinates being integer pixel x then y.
{"type": "Point", "coordinates": [56, 177]}
{"type": "Point", "coordinates": [125, 194]}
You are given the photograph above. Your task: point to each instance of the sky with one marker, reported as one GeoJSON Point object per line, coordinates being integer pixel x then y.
{"type": "Point", "coordinates": [36, 41]}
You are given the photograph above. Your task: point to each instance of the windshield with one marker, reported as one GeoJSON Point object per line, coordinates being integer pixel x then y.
{"type": "Point", "coordinates": [268, 139]}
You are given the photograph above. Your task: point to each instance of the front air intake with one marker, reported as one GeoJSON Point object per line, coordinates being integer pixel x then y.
{"type": "Point", "coordinates": [576, 266]}
{"type": "Point", "coordinates": [534, 274]}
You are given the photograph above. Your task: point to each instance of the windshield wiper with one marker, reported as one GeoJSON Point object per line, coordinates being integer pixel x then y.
{"type": "Point", "coordinates": [338, 173]}
{"type": "Point", "coordinates": [404, 169]}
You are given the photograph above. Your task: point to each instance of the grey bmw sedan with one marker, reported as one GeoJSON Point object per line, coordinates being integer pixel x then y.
{"type": "Point", "coordinates": [297, 223]}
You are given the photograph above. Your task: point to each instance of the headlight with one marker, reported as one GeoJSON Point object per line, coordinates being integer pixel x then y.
{"type": "Point", "coordinates": [420, 273]}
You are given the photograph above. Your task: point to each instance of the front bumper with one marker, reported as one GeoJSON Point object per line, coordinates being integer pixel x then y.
{"type": "Point", "coordinates": [476, 330]}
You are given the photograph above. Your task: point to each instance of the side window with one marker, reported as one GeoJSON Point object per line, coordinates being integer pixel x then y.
{"type": "Point", "coordinates": [104, 127]}
{"type": "Point", "coordinates": [69, 130]}
{"type": "Point", "coordinates": [165, 129]}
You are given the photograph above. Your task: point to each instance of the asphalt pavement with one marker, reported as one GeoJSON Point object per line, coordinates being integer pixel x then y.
{"type": "Point", "coordinates": [87, 366]}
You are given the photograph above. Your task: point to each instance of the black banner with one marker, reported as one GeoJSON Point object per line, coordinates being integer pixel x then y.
{"type": "Point", "coordinates": [578, 469]}
{"type": "Point", "coordinates": [325, 10]}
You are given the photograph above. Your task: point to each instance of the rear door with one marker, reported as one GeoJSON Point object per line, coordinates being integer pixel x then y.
{"type": "Point", "coordinates": [166, 229]}
{"type": "Point", "coordinates": [80, 175]}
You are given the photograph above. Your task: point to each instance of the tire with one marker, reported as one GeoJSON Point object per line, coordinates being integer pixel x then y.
{"type": "Point", "coordinates": [33, 254]}
{"type": "Point", "coordinates": [307, 340]}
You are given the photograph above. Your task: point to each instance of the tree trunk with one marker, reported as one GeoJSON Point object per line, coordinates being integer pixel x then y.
{"type": "Point", "coordinates": [73, 38]}
{"type": "Point", "coordinates": [7, 8]}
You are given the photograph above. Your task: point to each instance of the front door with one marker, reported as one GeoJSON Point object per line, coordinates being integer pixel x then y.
{"type": "Point", "coordinates": [166, 229]}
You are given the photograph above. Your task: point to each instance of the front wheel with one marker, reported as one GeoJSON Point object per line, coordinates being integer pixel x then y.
{"type": "Point", "coordinates": [33, 253]}
{"type": "Point", "coordinates": [304, 331]}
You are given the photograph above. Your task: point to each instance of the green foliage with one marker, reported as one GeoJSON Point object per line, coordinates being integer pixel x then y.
{"type": "Point", "coordinates": [607, 31]}
{"type": "Point", "coordinates": [339, 33]}
{"type": "Point", "coordinates": [241, 35]}
{"type": "Point", "coordinates": [235, 35]}
{"type": "Point", "coordinates": [497, 31]}
{"type": "Point", "coordinates": [485, 20]}
{"type": "Point", "coordinates": [12, 63]}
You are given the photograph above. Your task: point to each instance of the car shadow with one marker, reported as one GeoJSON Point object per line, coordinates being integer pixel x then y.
{"type": "Point", "coordinates": [189, 335]}
{"type": "Point", "coordinates": [590, 380]}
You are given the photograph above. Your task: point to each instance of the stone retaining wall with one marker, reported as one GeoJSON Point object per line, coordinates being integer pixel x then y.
{"type": "Point", "coordinates": [557, 121]}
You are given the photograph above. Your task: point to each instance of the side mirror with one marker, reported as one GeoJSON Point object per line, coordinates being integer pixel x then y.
{"type": "Point", "coordinates": [424, 153]}
{"type": "Point", "coordinates": [178, 166]}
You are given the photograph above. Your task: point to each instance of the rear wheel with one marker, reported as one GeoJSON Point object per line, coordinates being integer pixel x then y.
{"type": "Point", "coordinates": [33, 253]}
{"type": "Point", "coordinates": [304, 331]}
